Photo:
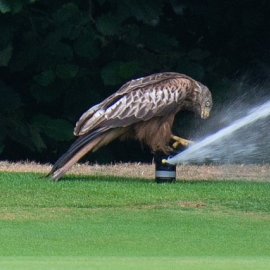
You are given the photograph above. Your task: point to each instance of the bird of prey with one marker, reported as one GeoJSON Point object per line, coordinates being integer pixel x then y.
{"type": "Point", "coordinates": [142, 109]}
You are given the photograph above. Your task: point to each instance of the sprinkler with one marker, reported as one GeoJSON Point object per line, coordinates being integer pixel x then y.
{"type": "Point", "coordinates": [165, 173]}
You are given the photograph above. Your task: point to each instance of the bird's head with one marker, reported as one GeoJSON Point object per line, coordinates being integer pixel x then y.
{"type": "Point", "coordinates": [205, 102]}
{"type": "Point", "coordinates": [200, 100]}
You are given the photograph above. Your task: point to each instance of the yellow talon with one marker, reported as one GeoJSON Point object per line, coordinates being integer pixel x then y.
{"type": "Point", "coordinates": [180, 141]}
{"type": "Point", "coordinates": [175, 145]}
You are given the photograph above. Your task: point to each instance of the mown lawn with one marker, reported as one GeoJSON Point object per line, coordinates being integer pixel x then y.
{"type": "Point", "coordinates": [97, 222]}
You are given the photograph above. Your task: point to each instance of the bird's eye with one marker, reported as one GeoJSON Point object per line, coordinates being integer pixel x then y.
{"type": "Point", "coordinates": [207, 103]}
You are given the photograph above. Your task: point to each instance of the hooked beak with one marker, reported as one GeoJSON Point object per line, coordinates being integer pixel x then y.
{"type": "Point", "coordinates": [205, 114]}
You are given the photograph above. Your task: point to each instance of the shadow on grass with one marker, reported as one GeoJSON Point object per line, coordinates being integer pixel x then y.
{"type": "Point", "coordinates": [102, 178]}
{"type": "Point", "coordinates": [121, 179]}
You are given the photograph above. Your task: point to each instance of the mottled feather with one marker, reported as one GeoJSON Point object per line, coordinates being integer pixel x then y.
{"type": "Point", "coordinates": [137, 100]}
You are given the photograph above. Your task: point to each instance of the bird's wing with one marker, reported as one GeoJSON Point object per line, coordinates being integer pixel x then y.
{"type": "Point", "coordinates": [140, 99]}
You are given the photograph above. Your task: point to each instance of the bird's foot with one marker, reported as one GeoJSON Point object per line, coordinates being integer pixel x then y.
{"type": "Point", "coordinates": [180, 141]}
{"type": "Point", "coordinates": [168, 150]}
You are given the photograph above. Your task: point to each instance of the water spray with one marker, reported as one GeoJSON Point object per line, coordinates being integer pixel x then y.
{"type": "Point", "coordinates": [209, 146]}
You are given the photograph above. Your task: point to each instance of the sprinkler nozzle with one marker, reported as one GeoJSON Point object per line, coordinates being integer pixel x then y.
{"type": "Point", "coordinates": [163, 161]}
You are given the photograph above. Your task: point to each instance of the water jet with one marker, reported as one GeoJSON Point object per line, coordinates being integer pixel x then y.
{"type": "Point", "coordinates": [212, 146]}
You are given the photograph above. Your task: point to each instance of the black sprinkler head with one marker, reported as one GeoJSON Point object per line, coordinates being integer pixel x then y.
{"type": "Point", "coordinates": [165, 173]}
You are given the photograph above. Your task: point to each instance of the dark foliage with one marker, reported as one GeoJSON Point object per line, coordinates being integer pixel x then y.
{"type": "Point", "coordinates": [58, 58]}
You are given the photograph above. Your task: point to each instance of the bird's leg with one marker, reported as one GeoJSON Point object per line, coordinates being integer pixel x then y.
{"type": "Point", "coordinates": [180, 141]}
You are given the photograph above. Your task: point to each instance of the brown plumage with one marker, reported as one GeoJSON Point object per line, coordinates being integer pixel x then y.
{"type": "Point", "coordinates": [142, 109]}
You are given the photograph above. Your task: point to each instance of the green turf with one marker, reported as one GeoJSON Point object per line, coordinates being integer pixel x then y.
{"type": "Point", "coordinates": [110, 222]}
{"type": "Point", "coordinates": [130, 263]}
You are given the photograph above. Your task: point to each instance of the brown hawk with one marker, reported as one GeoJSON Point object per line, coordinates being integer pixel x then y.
{"type": "Point", "coordinates": [142, 109]}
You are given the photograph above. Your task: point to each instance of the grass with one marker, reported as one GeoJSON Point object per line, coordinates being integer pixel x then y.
{"type": "Point", "coordinates": [97, 222]}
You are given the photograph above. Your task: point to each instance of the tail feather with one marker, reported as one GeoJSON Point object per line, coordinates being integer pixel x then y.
{"type": "Point", "coordinates": [64, 162]}
{"type": "Point", "coordinates": [72, 159]}
{"type": "Point", "coordinates": [83, 145]}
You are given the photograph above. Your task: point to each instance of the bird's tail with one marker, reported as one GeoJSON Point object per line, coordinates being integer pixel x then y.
{"type": "Point", "coordinates": [84, 144]}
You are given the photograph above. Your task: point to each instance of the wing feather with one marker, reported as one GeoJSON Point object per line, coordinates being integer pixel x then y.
{"type": "Point", "coordinates": [137, 100]}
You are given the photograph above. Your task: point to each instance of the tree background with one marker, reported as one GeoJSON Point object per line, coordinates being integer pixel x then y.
{"type": "Point", "coordinates": [58, 58]}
